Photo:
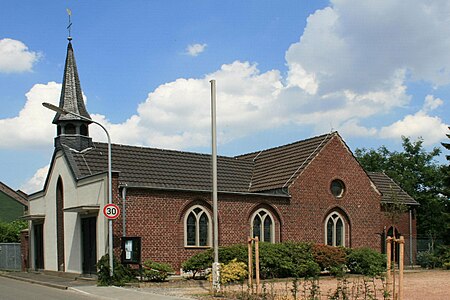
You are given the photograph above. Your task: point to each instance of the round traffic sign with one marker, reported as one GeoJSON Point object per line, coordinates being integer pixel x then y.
{"type": "Point", "coordinates": [111, 211]}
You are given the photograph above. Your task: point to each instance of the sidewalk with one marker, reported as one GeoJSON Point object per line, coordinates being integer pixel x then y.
{"type": "Point", "coordinates": [87, 287]}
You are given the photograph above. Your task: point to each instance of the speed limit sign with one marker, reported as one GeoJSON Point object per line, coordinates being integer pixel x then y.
{"type": "Point", "coordinates": [111, 211]}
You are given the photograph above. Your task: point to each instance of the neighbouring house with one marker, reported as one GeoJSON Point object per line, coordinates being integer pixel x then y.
{"type": "Point", "coordinates": [311, 190]}
{"type": "Point", "coordinates": [14, 203]}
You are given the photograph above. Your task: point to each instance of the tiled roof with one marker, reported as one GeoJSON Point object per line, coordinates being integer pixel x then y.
{"type": "Point", "coordinates": [71, 95]}
{"type": "Point", "coordinates": [264, 171]}
{"type": "Point", "coordinates": [390, 189]}
{"type": "Point", "coordinates": [278, 167]}
{"type": "Point", "coordinates": [150, 167]}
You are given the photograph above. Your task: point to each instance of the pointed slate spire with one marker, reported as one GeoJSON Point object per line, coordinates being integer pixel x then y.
{"type": "Point", "coordinates": [71, 95]}
{"type": "Point", "coordinates": [72, 131]}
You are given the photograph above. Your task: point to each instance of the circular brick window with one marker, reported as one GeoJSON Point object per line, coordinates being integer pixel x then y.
{"type": "Point", "coordinates": [337, 188]}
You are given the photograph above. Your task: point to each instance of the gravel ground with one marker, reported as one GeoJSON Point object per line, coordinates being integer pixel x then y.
{"type": "Point", "coordinates": [418, 285]}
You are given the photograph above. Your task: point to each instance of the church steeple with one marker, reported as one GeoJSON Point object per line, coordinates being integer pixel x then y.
{"type": "Point", "coordinates": [72, 131]}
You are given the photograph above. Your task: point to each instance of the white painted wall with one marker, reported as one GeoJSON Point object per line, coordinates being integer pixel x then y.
{"type": "Point", "coordinates": [88, 192]}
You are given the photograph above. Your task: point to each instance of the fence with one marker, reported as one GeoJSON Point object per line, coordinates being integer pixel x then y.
{"type": "Point", "coordinates": [10, 256]}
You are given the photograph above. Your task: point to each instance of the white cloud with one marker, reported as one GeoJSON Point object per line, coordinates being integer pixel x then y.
{"type": "Point", "coordinates": [421, 124]}
{"type": "Point", "coordinates": [431, 129]}
{"type": "Point", "coordinates": [431, 103]}
{"type": "Point", "coordinates": [15, 56]}
{"type": "Point", "coordinates": [195, 49]}
{"type": "Point", "coordinates": [177, 114]}
{"type": "Point", "coordinates": [36, 183]}
{"type": "Point", "coordinates": [33, 126]}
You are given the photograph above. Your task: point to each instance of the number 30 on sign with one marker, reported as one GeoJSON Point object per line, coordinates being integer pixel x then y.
{"type": "Point", "coordinates": [111, 211]}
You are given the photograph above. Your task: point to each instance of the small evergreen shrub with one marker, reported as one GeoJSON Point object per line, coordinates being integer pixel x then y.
{"type": "Point", "coordinates": [427, 260]}
{"type": "Point", "coordinates": [198, 262]}
{"type": "Point", "coordinates": [366, 261]}
{"type": "Point", "coordinates": [154, 271]}
{"type": "Point", "coordinates": [120, 276]}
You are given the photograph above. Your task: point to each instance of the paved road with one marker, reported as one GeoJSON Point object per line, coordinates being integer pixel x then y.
{"type": "Point", "coordinates": [11, 289]}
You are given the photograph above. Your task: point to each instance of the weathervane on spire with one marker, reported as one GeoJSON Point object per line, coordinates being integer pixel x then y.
{"type": "Point", "coordinates": [69, 12]}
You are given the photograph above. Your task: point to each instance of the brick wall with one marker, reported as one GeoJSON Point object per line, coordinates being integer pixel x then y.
{"type": "Point", "coordinates": [403, 227]}
{"type": "Point", "coordinates": [312, 200]}
{"type": "Point", "coordinates": [158, 216]}
{"type": "Point", "coordinates": [24, 249]}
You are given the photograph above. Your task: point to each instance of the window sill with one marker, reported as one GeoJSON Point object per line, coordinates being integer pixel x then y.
{"type": "Point", "coordinates": [197, 247]}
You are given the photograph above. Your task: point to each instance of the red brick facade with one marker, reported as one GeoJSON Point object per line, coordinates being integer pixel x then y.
{"type": "Point", "coordinates": [158, 216]}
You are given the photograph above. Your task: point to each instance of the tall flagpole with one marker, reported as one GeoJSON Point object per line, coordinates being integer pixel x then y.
{"type": "Point", "coordinates": [215, 266]}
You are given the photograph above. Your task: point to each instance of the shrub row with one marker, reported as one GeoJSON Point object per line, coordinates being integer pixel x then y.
{"type": "Point", "coordinates": [152, 271]}
{"type": "Point", "coordinates": [295, 260]}
{"type": "Point", "coordinates": [437, 259]}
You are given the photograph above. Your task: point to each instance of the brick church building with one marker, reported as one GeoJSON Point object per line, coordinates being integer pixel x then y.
{"type": "Point", "coordinates": [310, 190]}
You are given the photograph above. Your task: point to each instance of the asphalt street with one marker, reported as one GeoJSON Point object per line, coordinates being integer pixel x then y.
{"type": "Point", "coordinates": [12, 289]}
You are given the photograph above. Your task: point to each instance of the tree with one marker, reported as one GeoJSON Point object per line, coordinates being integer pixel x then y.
{"type": "Point", "coordinates": [10, 232]}
{"type": "Point", "coordinates": [420, 175]}
{"type": "Point", "coordinates": [446, 170]}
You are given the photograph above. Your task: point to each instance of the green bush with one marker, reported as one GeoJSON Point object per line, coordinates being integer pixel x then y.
{"type": "Point", "coordinates": [10, 231]}
{"type": "Point", "coordinates": [443, 253]}
{"type": "Point", "coordinates": [287, 260]}
{"type": "Point", "coordinates": [276, 260]}
{"type": "Point", "coordinates": [199, 262]}
{"type": "Point", "coordinates": [366, 261]}
{"type": "Point", "coordinates": [298, 260]}
{"type": "Point", "coordinates": [120, 276]}
{"type": "Point", "coordinates": [427, 260]}
{"type": "Point", "coordinates": [154, 271]}
{"type": "Point", "coordinates": [203, 260]}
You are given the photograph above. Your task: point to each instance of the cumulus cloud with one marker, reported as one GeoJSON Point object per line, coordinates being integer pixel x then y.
{"type": "Point", "coordinates": [195, 49]}
{"type": "Point", "coordinates": [415, 126]}
{"type": "Point", "coordinates": [36, 183]}
{"type": "Point", "coordinates": [177, 114]}
{"type": "Point", "coordinates": [15, 56]}
{"type": "Point", "coordinates": [33, 126]}
{"type": "Point", "coordinates": [421, 124]}
{"type": "Point", "coordinates": [431, 103]}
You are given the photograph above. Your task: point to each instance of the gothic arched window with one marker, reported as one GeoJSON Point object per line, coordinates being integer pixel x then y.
{"type": "Point", "coordinates": [334, 230]}
{"type": "Point", "coordinates": [197, 227]}
{"type": "Point", "coordinates": [263, 226]}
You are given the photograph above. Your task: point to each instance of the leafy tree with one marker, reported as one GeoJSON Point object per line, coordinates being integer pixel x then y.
{"type": "Point", "coordinates": [446, 170]}
{"type": "Point", "coordinates": [419, 174]}
{"type": "Point", "coordinates": [10, 231]}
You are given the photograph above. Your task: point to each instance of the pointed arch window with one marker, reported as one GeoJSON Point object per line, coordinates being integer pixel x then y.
{"type": "Point", "coordinates": [334, 230]}
{"type": "Point", "coordinates": [197, 227]}
{"type": "Point", "coordinates": [60, 223]}
{"type": "Point", "coordinates": [263, 226]}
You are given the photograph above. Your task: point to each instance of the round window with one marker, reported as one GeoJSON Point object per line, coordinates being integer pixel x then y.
{"type": "Point", "coordinates": [337, 188]}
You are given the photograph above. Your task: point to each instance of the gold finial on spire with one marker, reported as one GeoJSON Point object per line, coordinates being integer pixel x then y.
{"type": "Point", "coordinates": [69, 12]}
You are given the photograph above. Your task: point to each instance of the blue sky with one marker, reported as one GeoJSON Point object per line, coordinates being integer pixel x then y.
{"type": "Point", "coordinates": [285, 71]}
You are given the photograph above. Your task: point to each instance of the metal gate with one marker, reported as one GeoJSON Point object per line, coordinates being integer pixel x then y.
{"type": "Point", "coordinates": [10, 256]}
